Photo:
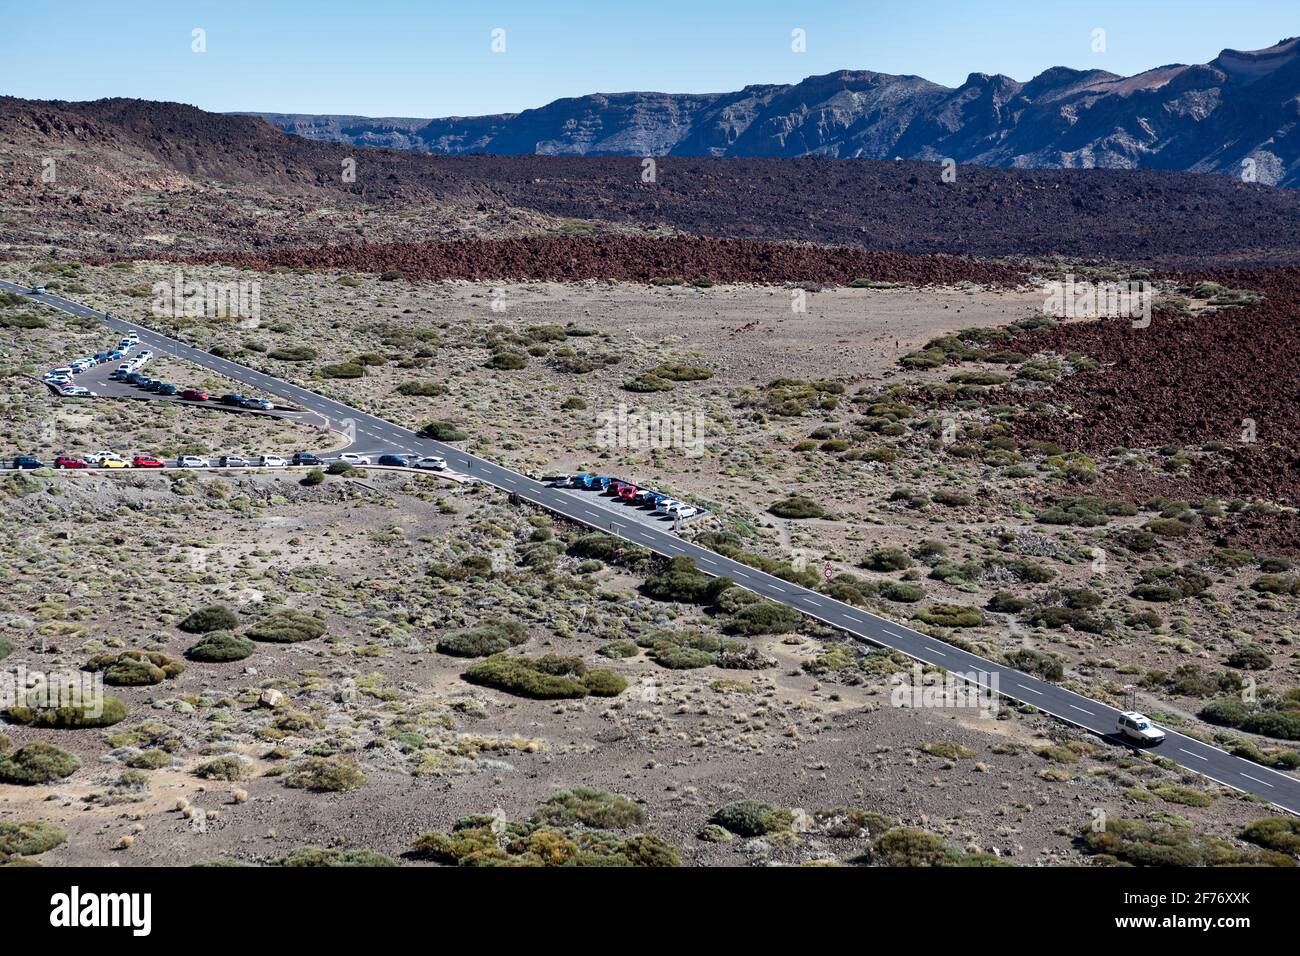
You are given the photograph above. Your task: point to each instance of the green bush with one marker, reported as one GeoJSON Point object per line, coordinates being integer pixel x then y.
{"type": "Point", "coordinates": [36, 763]}
{"type": "Point", "coordinates": [294, 353]}
{"type": "Point", "coordinates": [1039, 663]}
{"type": "Point", "coordinates": [763, 617]}
{"type": "Point", "coordinates": [421, 389]}
{"type": "Point", "coordinates": [226, 767]}
{"type": "Point", "coordinates": [682, 581]}
{"type": "Point", "coordinates": [325, 775]}
{"type": "Point", "coordinates": [507, 360]}
{"type": "Point", "coordinates": [70, 716]}
{"type": "Point", "coordinates": [134, 668]}
{"type": "Point", "coordinates": [333, 857]}
{"type": "Point", "coordinates": [490, 637]}
{"type": "Point", "coordinates": [619, 649]}
{"type": "Point", "coordinates": [313, 477]}
{"type": "Point", "coordinates": [902, 592]}
{"type": "Point", "coordinates": [29, 837]}
{"type": "Point", "coordinates": [1275, 833]}
{"type": "Point", "coordinates": [343, 370]}
{"type": "Point", "coordinates": [220, 647]}
{"type": "Point", "coordinates": [214, 617]}
{"type": "Point", "coordinates": [681, 373]}
{"type": "Point", "coordinates": [6, 648]}
{"type": "Point", "coordinates": [951, 615]}
{"type": "Point", "coordinates": [647, 382]}
{"type": "Point", "coordinates": [1250, 657]}
{"type": "Point", "coordinates": [443, 431]}
{"type": "Point", "coordinates": [1143, 843]}
{"type": "Point", "coordinates": [286, 626]}
{"type": "Point", "coordinates": [751, 818]}
{"type": "Point", "coordinates": [796, 506]}
{"type": "Point", "coordinates": [887, 559]}
{"type": "Point", "coordinates": [590, 807]}
{"type": "Point", "coordinates": [544, 678]}
{"type": "Point", "coordinates": [152, 759]}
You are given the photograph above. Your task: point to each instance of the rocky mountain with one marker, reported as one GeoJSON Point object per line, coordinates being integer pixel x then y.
{"type": "Point", "coordinates": [1235, 114]}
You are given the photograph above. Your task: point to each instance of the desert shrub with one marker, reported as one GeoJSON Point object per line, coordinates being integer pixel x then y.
{"type": "Point", "coordinates": [70, 716]}
{"type": "Point", "coordinates": [676, 372]}
{"type": "Point", "coordinates": [682, 581]}
{"type": "Point", "coordinates": [152, 759]}
{"type": "Point", "coordinates": [292, 353]}
{"type": "Point", "coordinates": [421, 389]}
{"type": "Point", "coordinates": [1276, 584]}
{"type": "Point", "coordinates": [619, 649]}
{"type": "Point", "coordinates": [677, 657]}
{"type": "Point", "coordinates": [902, 592]}
{"type": "Point", "coordinates": [796, 506]}
{"type": "Point", "coordinates": [507, 360]}
{"type": "Point", "coordinates": [1004, 602]}
{"type": "Point", "coordinates": [590, 807]}
{"type": "Point", "coordinates": [214, 617]}
{"type": "Point", "coordinates": [1250, 657]}
{"type": "Point", "coordinates": [443, 431]}
{"type": "Point", "coordinates": [903, 846]}
{"type": "Point", "coordinates": [333, 857]}
{"type": "Point", "coordinates": [226, 767]}
{"type": "Point", "coordinates": [286, 626]}
{"type": "Point", "coordinates": [28, 838]}
{"type": "Point", "coordinates": [343, 370]}
{"type": "Point", "coordinates": [1183, 796]}
{"type": "Point", "coordinates": [36, 763]}
{"type": "Point", "coordinates": [1040, 663]}
{"type": "Point", "coordinates": [314, 477]}
{"type": "Point", "coordinates": [1170, 583]}
{"type": "Point", "coordinates": [947, 749]}
{"type": "Point", "coordinates": [134, 668]}
{"type": "Point", "coordinates": [490, 637]}
{"type": "Point", "coordinates": [611, 550]}
{"type": "Point", "coordinates": [751, 818]}
{"type": "Point", "coordinates": [544, 678]}
{"type": "Point", "coordinates": [6, 648]}
{"type": "Point", "coordinates": [340, 468]}
{"type": "Point", "coordinates": [220, 647]}
{"type": "Point", "coordinates": [951, 615]}
{"type": "Point", "coordinates": [325, 775]}
{"type": "Point", "coordinates": [1275, 833]}
{"type": "Point", "coordinates": [1157, 843]}
{"type": "Point", "coordinates": [648, 382]}
{"type": "Point", "coordinates": [1253, 717]}
{"type": "Point", "coordinates": [763, 617]}
{"type": "Point", "coordinates": [887, 559]}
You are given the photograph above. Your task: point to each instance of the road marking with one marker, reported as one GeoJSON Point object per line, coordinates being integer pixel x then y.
{"type": "Point", "coordinates": [1082, 711]}
{"type": "Point", "coordinates": [1038, 692]}
{"type": "Point", "coordinates": [1257, 780]}
{"type": "Point", "coordinates": [933, 651]}
{"type": "Point", "coordinates": [855, 620]}
{"type": "Point", "coordinates": [892, 634]}
{"type": "Point", "coordinates": [1194, 754]}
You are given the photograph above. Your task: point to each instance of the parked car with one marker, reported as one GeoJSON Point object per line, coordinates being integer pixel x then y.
{"type": "Point", "coordinates": [431, 462]}
{"type": "Point", "coordinates": [122, 371]}
{"type": "Point", "coordinates": [231, 399]}
{"type": "Point", "coordinates": [192, 461]}
{"type": "Point", "coordinates": [77, 391]}
{"type": "Point", "coordinates": [271, 461]}
{"type": "Point", "coordinates": [195, 395]}
{"type": "Point", "coordinates": [394, 461]}
{"type": "Point", "coordinates": [352, 459]}
{"type": "Point", "coordinates": [96, 457]}
{"type": "Point", "coordinates": [1138, 728]}
{"type": "Point", "coordinates": [682, 511]}
{"type": "Point", "coordinates": [167, 388]}
{"type": "Point", "coordinates": [135, 378]}
{"type": "Point", "coordinates": [67, 370]}
{"type": "Point", "coordinates": [259, 403]}
{"type": "Point", "coordinates": [232, 461]}
{"type": "Point", "coordinates": [558, 481]}
{"type": "Point", "coordinates": [602, 483]}
{"type": "Point", "coordinates": [628, 492]}
{"type": "Point", "coordinates": [647, 497]}
{"type": "Point", "coordinates": [68, 461]}
{"type": "Point", "coordinates": [580, 480]}
{"type": "Point", "coordinates": [306, 458]}
{"type": "Point", "coordinates": [131, 337]}
{"type": "Point", "coordinates": [147, 461]}
{"type": "Point", "coordinates": [27, 461]}
{"type": "Point", "coordinates": [112, 461]}
{"type": "Point", "coordinates": [58, 381]}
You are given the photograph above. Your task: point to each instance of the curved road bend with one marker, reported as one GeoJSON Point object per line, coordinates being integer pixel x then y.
{"type": "Point", "coordinates": [376, 434]}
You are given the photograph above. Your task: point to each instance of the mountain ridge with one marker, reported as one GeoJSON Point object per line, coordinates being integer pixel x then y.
{"type": "Point", "coordinates": [1238, 112]}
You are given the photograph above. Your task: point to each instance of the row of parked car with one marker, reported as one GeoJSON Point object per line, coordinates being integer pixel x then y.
{"type": "Point", "coordinates": [111, 459]}
{"type": "Point", "coordinates": [628, 492]}
{"type": "Point", "coordinates": [61, 377]}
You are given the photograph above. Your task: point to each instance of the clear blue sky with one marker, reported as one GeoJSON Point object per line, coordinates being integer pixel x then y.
{"type": "Point", "coordinates": [433, 58]}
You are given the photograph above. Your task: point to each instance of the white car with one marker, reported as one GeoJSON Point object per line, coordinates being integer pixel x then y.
{"type": "Point", "coordinates": [667, 505]}
{"type": "Point", "coordinates": [433, 462]}
{"type": "Point", "coordinates": [96, 457]}
{"type": "Point", "coordinates": [38, 290]}
{"type": "Point", "coordinates": [62, 370]}
{"type": "Point", "coordinates": [682, 511]}
{"type": "Point", "coordinates": [1138, 728]}
{"type": "Point", "coordinates": [271, 461]}
{"type": "Point", "coordinates": [192, 461]}
{"type": "Point", "coordinates": [131, 337]}
{"type": "Point", "coordinates": [352, 459]}
{"type": "Point", "coordinates": [77, 391]}
{"type": "Point", "coordinates": [81, 365]}
{"type": "Point", "coordinates": [59, 381]}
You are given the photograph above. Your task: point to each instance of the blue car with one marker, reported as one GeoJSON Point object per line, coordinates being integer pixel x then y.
{"type": "Point", "coordinates": [27, 461]}
{"type": "Point", "coordinates": [583, 481]}
{"type": "Point", "coordinates": [394, 461]}
{"type": "Point", "coordinates": [603, 482]}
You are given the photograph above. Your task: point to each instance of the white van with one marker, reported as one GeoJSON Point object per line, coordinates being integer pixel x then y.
{"type": "Point", "coordinates": [1138, 728]}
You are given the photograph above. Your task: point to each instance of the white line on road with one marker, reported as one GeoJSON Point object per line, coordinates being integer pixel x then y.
{"type": "Point", "coordinates": [933, 651]}
{"type": "Point", "coordinates": [1192, 753]}
{"type": "Point", "coordinates": [1038, 692]}
{"type": "Point", "coordinates": [1082, 711]}
{"type": "Point", "coordinates": [1257, 780]}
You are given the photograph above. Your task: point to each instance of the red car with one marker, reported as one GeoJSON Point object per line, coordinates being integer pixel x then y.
{"type": "Point", "coordinates": [628, 492]}
{"type": "Point", "coordinates": [195, 395]}
{"type": "Point", "coordinates": [67, 461]}
{"type": "Point", "coordinates": [147, 461]}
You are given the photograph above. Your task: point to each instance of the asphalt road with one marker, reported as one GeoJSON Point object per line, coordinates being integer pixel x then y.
{"type": "Point", "coordinates": [375, 434]}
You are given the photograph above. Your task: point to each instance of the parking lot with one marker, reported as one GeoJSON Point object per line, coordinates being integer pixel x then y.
{"type": "Point", "coordinates": [614, 511]}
